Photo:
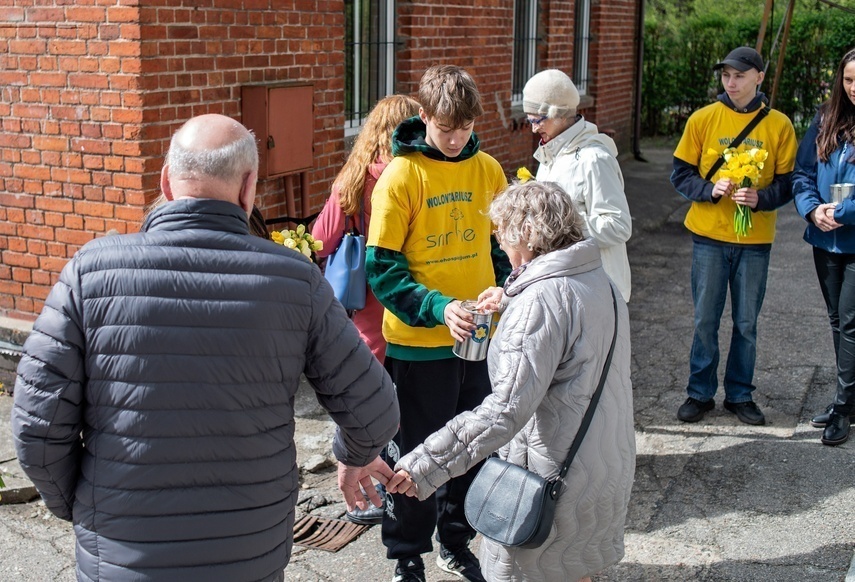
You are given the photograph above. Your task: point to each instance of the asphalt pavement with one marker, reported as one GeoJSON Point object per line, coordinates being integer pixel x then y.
{"type": "Point", "coordinates": [713, 501]}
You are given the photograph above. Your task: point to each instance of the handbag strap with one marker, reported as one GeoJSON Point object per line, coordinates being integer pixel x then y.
{"type": "Point", "coordinates": [361, 229]}
{"type": "Point", "coordinates": [589, 414]}
{"type": "Point", "coordinates": [738, 140]}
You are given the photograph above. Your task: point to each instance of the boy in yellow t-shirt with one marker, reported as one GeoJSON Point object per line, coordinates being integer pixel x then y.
{"type": "Point", "coordinates": [429, 247]}
{"type": "Point", "coordinates": [721, 257]}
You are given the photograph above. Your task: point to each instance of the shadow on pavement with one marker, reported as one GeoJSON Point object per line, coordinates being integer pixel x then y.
{"type": "Point", "coordinates": [822, 564]}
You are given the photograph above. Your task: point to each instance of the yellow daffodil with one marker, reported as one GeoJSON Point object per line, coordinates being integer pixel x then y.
{"type": "Point", "coordinates": [751, 172]}
{"type": "Point", "coordinates": [759, 156]}
{"type": "Point", "coordinates": [523, 175]}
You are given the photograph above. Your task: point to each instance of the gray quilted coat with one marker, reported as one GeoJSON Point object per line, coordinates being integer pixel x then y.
{"type": "Point", "coordinates": [545, 361]}
{"type": "Point", "coordinates": [154, 405]}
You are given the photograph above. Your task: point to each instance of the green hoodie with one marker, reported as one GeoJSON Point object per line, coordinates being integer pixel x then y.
{"type": "Point", "coordinates": [388, 271]}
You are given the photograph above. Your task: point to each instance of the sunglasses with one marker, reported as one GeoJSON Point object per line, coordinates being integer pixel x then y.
{"type": "Point", "coordinates": [536, 120]}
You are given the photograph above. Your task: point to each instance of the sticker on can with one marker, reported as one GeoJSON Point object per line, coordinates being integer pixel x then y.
{"type": "Point", "coordinates": [481, 332]}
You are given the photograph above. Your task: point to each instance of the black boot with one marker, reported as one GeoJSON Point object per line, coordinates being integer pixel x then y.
{"type": "Point", "coordinates": [821, 420]}
{"type": "Point", "coordinates": [837, 430]}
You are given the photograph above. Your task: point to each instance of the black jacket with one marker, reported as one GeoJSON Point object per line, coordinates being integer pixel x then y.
{"type": "Point", "coordinates": [155, 399]}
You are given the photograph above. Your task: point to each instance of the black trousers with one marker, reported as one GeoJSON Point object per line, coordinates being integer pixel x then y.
{"type": "Point", "coordinates": [836, 274]}
{"type": "Point", "coordinates": [430, 394]}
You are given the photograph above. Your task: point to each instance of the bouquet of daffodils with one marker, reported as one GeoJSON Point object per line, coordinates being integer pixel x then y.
{"type": "Point", "coordinates": [298, 239]}
{"type": "Point", "coordinates": [742, 166]}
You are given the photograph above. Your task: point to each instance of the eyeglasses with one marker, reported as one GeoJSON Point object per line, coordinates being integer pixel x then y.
{"type": "Point", "coordinates": [498, 237]}
{"type": "Point", "coordinates": [536, 120]}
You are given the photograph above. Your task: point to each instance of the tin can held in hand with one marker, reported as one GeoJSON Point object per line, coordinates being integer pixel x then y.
{"type": "Point", "coordinates": [839, 192]}
{"type": "Point", "coordinates": [475, 347]}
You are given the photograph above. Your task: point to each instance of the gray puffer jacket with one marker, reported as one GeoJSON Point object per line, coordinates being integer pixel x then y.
{"type": "Point", "coordinates": [545, 362]}
{"type": "Point", "coordinates": [154, 405]}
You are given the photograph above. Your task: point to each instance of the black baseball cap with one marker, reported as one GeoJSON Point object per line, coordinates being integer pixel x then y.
{"type": "Point", "coordinates": [742, 59]}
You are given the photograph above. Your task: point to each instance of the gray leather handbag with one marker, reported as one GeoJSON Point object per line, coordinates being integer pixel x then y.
{"type": "Point", "coordinates": [515, 507]}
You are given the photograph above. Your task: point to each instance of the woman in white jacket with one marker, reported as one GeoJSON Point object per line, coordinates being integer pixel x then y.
{"type": "Point", "coordinates": [583, 161]}
{"type": "Point", "coordinates": [545, 362]}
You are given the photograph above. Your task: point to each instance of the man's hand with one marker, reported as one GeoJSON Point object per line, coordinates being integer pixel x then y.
{"type": "Point", "coordinates": [458, 320]}
{"type": "Point", "coordinates": [823, 217]}
{"type": "Point", "coordinates": [356, 485]}
{"type": "Point", "coordinates": [746, 196]}
{"type": "Point", "coordinates": [722, 188]}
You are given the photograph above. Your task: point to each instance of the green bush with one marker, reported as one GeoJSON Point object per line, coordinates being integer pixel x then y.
{"type": "Point", "coordinates": [681, 46]}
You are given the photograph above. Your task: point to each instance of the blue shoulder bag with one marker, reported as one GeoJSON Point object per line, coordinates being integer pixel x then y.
{"type": "Point", "coordinates": [345, 269]}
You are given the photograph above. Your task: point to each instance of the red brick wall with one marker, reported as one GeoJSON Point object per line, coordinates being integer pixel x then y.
{"type": "Point", "coordinates": [91, 93]}
{"type": "Point", "coordinates": [557, 24]}
{"type": "Point", "coordinates": [612, 64]}
{"type": "Point", "coordinates": [611, 60]}
{"type": "Point", "coordinates": [70, 164]}
{"type": "Point", "coordinates": [197, 59]}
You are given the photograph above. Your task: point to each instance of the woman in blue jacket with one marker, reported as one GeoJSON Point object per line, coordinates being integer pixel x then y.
{"type": "Point", "coordinates": [826, 156]}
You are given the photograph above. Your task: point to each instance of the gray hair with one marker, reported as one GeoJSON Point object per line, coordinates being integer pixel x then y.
{"type": "Point", "coordinates": [227, 162]}
{"type": "Point", "coordinates": [537, 215]}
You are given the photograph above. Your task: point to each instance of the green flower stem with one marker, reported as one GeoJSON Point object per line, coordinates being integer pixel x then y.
{"type": "Point", "coordinates": [742, 217]}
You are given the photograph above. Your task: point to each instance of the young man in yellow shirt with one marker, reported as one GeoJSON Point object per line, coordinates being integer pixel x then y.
{"type": "Point", "coordinates": [721, 258]}
{"type": "Point", "coordinates": [430, 246]}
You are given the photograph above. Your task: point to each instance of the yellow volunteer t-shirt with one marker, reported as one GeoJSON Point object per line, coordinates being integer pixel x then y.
{"type": "Point", "coordinates": [713, 128]}
{"type": "Point", "coordinates": [435, 213]}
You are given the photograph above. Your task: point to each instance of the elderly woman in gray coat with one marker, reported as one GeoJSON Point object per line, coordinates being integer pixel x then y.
{"type": "Point", "coordinates": [545, 362]}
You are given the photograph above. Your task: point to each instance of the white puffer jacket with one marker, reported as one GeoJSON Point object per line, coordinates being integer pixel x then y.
{"type": "Point", "coordinates": [583, 161]}
{"type": "Point", "coordinates": [545, 362]}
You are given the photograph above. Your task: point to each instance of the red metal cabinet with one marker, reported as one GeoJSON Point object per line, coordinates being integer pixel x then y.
{"type": "Point", "coordinates": [281, 117]}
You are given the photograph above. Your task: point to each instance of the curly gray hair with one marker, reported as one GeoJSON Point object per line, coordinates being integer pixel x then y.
{"type": "Point", "coordinates": [537, 215]}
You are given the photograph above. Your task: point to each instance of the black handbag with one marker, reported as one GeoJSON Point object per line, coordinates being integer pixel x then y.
{"type": "Point", "coordinates": [515, 507]}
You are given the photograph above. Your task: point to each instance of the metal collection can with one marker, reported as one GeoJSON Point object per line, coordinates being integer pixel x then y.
{"type": "Point", "coordinates": [475, 347]}
{"type": "Point", "coordinates": [839, 192]}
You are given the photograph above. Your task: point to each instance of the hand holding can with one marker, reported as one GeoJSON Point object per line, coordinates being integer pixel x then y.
{"type": "Point", "coordinates": [474, 347]}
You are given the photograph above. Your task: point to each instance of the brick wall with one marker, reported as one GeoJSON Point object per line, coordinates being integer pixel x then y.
{"type": "Point", "coordinates": [197, 59]}
{"type": "Point", "coordinates": [478, 36]}
{"type": "Point", "coordinates": [612, 64]}
{"type": "Point", "coordinates": [611, 60]}
{"type": "Point", "coordinates": [91, 93]}
{"type": "Point", "coordinates": [70, 163]}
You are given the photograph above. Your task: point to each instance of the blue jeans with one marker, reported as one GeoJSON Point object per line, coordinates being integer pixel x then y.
{"type": "Point", "coordinates": [743, 269]}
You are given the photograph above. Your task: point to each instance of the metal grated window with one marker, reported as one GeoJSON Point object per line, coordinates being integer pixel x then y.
{"type": "Point", "coordinates": [525, 46]}
{"type": "Point", "coordinates": [582, 41]}
{"type": "Point", "coordinates": [369, 48]}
